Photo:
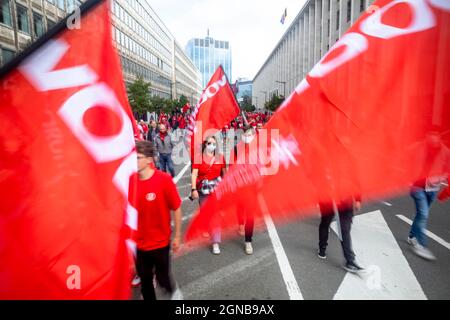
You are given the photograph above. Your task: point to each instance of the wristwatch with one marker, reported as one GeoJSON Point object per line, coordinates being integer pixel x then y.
{"type": "Point", "coordinates": [193, 190]}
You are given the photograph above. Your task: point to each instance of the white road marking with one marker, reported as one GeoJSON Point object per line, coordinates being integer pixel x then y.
{"type": "Point", "coordinates": [388, 275]}
{"type": "Point", "coordinates": [236, 272]}
{"type": "Point", "coordinates": [386, 203]}
{"type": "Point", "coordinates": [184, 186]}
{"type": "Point", "coordinates": [428, 233]}
{"type": "Point", "coordinates": [286, 270]}
{"type": "Point", "coordinates": [182, 172]}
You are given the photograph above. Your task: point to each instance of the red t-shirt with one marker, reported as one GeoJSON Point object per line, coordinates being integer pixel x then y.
{"type": "Point", "coordinates": [206, 171]}
{"type": "Point", "coordinates": [156, 197]}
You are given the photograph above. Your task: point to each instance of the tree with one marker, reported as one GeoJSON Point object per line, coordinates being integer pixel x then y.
{"type": "Point", "coordinates": [139, 96]}
{"type": "Point", "coordinates": [274, 102]}
{"type": "Point", "coordinates": [246, 104]}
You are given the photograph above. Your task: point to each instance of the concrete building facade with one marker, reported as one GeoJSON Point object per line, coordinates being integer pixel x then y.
{"type": "Point", "coordinates": [23, 21]}
{"type": "Point", "coordinates": [145, 45]}
{"type": "Point", "coordinates": [315, 29]}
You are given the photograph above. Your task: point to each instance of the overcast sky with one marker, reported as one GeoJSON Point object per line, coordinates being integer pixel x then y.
{"type": "Point", "coordinates": [252, 26]}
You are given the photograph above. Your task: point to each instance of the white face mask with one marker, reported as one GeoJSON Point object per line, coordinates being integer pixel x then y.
{"type": "Point", "coordinates": [211, 147]}
{"type": "Point", "coordinates": [248, 139]}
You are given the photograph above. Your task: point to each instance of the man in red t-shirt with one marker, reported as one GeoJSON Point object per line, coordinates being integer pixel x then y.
{"type": "Point", "coordinates": [157, 196]}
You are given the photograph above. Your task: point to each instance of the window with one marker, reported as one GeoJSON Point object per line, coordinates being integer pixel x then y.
{"type": "Point", "coordinates": [50, 24]}
{"type": "Point", "coordinates": [7, 55]}
{"type": "Point", "coordinates": [22, 19]}
{"type": "Point", "coordinates": [361, 5]}
{"type": "Point", "coordinates": [60, 4]}
{"type": "Point", "coordinates": [38, 25]}
{"type": "Point", "coordinates": [349, 10]}
{"type": "Point", "coordinates": [5, 12]}
{"type": "Point", "coordinates": [337, 20]}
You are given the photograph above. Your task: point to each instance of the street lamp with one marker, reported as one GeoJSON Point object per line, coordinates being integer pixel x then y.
{"type": "Point", "coordinates": [284, 87]}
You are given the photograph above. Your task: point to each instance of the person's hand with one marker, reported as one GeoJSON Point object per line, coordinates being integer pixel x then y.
{"type": "Point", "coordinates": [194, 194]}
{"type": "Point", "coordinates": [176, 243]}
{"type": "Point", "coordinates": [357, 206]}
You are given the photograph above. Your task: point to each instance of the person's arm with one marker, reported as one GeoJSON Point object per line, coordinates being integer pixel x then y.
{"type": "Point", "coordinates": [194, 192]}
{"type": "Point", "coordinates": [176, 241]}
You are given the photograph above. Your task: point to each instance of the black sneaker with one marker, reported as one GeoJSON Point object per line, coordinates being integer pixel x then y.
{"type": "Point", "coordinates": [353, 267]}
{"type": "Point", "coordinates": [321, 254]}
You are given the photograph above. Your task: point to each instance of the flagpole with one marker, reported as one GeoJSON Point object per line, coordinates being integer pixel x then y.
{"type": "Point", "coordinates": [60, 26]}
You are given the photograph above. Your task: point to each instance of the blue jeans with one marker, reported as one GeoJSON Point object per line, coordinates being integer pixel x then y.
{"type": "Point", "coordinates": [423, 200]}
{"type": "Point", "coordinates": [166, 163]}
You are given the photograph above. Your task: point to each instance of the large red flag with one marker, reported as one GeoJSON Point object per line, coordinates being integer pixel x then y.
{"type": "Point", "coordinates": [216, 108]}
{"type": "Point", "coordinates": [372, 117]}
{"type": "Point", "coordinates": [66, 156]}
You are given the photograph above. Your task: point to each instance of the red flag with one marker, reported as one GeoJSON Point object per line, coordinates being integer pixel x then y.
{"type": "Point", "coordinates": [372, 117]}
{"type": "Point", "coordinates": [217, 107]}
{"type": "Point", "coordinates": [66, 155]}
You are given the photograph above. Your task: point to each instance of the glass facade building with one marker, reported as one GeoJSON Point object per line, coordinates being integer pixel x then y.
{"type": "Point", "coordinates": [244, 89]}
{"type": "Point", "coordinates": [207, 54]}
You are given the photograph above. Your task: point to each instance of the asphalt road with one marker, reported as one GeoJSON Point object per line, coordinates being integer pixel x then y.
{"type": "Point", "coordinates": [379, 238]}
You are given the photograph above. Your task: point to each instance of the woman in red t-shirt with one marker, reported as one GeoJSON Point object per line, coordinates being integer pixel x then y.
{"type": "Point", "coordinates": [205, 177]}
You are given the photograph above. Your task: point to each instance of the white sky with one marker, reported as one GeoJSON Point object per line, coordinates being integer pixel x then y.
{"type": "Point", "coordinates": [252, 26]}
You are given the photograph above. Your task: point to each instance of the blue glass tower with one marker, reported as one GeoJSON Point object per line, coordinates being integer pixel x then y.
{"type": "Point", "coordinates": [207, 54]}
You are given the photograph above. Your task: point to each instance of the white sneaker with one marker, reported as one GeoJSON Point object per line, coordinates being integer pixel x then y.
{"type": "Point", "coordinates": [412, 241]}
{"type": "Point", "coordinates": [136, 281]}
{"type": "Point", "coordinates": [423, 252]}
{"type": "Point", "coordinates": [215, 248]}
{"type": "Point", "coordinates": [248, 248]}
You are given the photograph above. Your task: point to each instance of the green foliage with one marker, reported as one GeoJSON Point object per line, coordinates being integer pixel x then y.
{"type": "Point", "coordinates": [246, 104]}
{"type": "Point", "coordinates": [274, 102]}
{"type": "Point", "coordinates": [142, 101]}
{"type": "Point", "coordinates": [139, 96]}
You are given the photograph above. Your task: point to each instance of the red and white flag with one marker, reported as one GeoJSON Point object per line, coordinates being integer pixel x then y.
{"type": "Point", "coordinates": [371, 117]}
{"type": "Point", "coordinates": [216, 108]}
{"type": "Point", "coordinates": [66, 156]}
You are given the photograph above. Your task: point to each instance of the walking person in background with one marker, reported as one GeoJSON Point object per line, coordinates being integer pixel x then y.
{"type": "Point", "coordinates": [205, 177]}
{"type": "Point", "coordinates": [345, 210]}
{"type": "Point", "coordinates": [164, 146]}
{"type": "Point", "coordinates": [157, 196]}
{"type": "Point", "coordinates": [433, 164]}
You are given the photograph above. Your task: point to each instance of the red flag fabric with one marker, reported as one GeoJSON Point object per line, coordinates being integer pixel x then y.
{"type": "Point", "coordinates": [444, 195]}
{"type": "Point", "coordinates": [185, 108]}
{"type": "Point", "coordinates": [217, 107]}
{"type": "Point", "coordinates": [371, 118]}
{"type": "Point", "coordinates": [66, 156]}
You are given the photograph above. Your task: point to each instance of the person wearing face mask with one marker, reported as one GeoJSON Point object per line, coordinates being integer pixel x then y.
{"type": "Point", "coordinates": [164, 146]}
{"type": "Point", "coordinates": [250, 153]}
{"type": "Point", "coordinates": [205, 177]}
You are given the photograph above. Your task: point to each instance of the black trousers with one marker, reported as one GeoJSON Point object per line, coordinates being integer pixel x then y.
{"type": "Point", "coordinates": [150, 263]}
{"type": "Point", "coordinates": [247, 218]}
{"type": "Point", "coordinates": [345, 211]}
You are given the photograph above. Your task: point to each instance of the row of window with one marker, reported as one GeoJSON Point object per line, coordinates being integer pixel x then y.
{"type": "Point", "coordinates": [132, 67]}
{"type": "Point", "coordinates": [142, 12]}
{"type": "Point", "coordinates": [208, 42]}
{"type": "Point", "coordinates": [136, 27]}
{"type": "Point", "coordinates": [130, 44]}
{"type": "Point", "coordinates": [23, 16]}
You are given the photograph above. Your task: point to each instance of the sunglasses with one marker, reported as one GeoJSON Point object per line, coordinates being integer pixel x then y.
{"type": "Point", "coordinates": [211, 143]}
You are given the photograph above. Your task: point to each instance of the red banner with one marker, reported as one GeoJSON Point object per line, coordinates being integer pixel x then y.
{"type": "Point", "coordinates": [216, 108]}
{"type": "Point", "coordinates": [371, 118]}
{"type": "Point", "coordinates": [66, 156]}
